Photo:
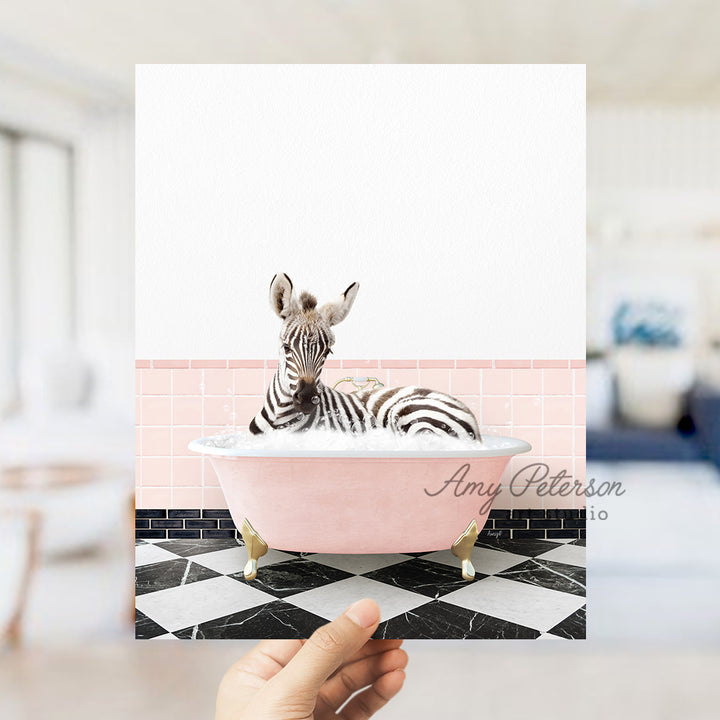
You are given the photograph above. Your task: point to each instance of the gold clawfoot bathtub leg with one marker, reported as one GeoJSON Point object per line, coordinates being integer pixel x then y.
{"type": "Point", "coordinates": [256, 548]}
{"type": "Point", "coordinates": [462, 548]}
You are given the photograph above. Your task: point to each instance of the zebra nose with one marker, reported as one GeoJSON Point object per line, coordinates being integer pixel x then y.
{"type": "Point", "coordinates": [305, 393]}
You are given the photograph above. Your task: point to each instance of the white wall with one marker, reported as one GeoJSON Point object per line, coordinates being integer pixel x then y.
{"type": "Point", "coordinates": [7, 349]}
{"type": "Point", "coordinates": [454, 194]}
{"type": "Point", "coordinates": [101, 136]}
{"type": "Point", "coordinates": [105, 253]}
{"type": "Point", "coordinates": [654, 170]}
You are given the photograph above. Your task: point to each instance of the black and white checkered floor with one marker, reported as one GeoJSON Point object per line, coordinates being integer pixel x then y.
{"type": "Point", "coordinates": [523, 589]}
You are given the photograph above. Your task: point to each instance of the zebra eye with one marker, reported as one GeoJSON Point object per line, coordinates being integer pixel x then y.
{"type": "Point", "coordinates": [286, 347]}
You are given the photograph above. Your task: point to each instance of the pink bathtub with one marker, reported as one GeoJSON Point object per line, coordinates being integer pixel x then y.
{"type": "Point", "coordinates": [364, 502]}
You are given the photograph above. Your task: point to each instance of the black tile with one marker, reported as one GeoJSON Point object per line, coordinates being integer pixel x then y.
{"type": "Point", "coordinates": [438, 619]}
{"type": "Point", "coordinates": [572, 627]}
{"type": "Point", "coordinates": [575, 524]}
{"type": "Point", "coordinates": [562, 513]}
{"type": "Point", "coordinates": [187, 548]}
{"type": "Point", "coordinates": [579, 541]}
{"type": "Point", "coordinates": [545, 573]}
{"type": "Point", "coordinates": [201, 524]}
{"type": "Point", "coordinates": [169, 573]}
{"type": "Point", "coordinates": [545, 523]}
{"type": "Point", "coordinates": [141, 523]}
{"type": "Point", "coordinates": [183, 513]}
{"type": "Point", "coordinates": [143, 513]}
{"type": "Point", "coordinates": [562, 534]}
{"type": "Point", "coordinates": [174, 524]}
{"type": "Point", "coordinates": [145, 628]}
{"type": "Point", "coordinates": [523, 534]}
{"type": "Point", "coordinates": [529, 547]}
{"type": "Point", "coordinates": [216, 534]}
{"type": "Point", "coordinates": [292, 576]}
{"type": "Point", "coordinates": [582, 513]}
{"type": "Point", "coordinates": [582, 534]}
{"type": "Point", "coordinates": [183, 534]}
{"type": "Point", "coordinates": [499, 514]}
{"type": "Point", "coordinates": [489, 533]}
{"type": "Point", "coordinates": [528, 514]}
{"type": "Point", "coordinates": [422, 576]}
{"type": "Point", "coordinates": [276, 620]}
{"type": "Point", "coordinates": [226, 524]}
{"type": "Point", "coordinates": [215, 514]}
{"type": "Point", "coordinates": [150, 534]}
{"type": "Point", "coordinates": [511, 523]}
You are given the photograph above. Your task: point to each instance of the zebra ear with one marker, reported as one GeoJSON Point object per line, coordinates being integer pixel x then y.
{"type": "Point", "coordinates": [281, 295]}
{"type": "Point", "coordinates": [335, 312]}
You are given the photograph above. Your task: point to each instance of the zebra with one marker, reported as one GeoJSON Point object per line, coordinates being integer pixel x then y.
{"type": "Point", "coordinates": [296, 399]}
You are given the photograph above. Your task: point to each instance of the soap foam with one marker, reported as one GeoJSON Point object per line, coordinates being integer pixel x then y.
{"type": "Point", "coordinates": [334, 441]}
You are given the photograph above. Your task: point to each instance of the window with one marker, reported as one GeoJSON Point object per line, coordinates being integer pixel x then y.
{"type": "Point", "coordinates": [37, 266]}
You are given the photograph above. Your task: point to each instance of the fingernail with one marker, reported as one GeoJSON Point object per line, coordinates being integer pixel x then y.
{"type": "Point", "coordinates": [364, 613]}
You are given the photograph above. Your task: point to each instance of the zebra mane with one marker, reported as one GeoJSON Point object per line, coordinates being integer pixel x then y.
{"type": "Point", "coordinates": [307, 301]}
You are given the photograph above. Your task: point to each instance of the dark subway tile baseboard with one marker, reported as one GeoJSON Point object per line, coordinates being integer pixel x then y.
{"type": "Point", "coordinates": [507, 524]}
{"type": "Point", "coordinates": [184, 524]}
{"type": "Point", "coordinates": [538, 524]}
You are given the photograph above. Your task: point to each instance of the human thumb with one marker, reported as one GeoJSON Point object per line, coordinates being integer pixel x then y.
{"type": "Point", "coordinates": [327, 649]}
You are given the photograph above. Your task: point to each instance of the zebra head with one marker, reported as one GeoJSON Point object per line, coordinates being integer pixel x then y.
{"type": "Point", "coordinates": [306, 338]}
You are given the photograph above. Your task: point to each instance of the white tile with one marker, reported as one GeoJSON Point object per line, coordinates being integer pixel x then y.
{"type": "Point", "coordinates": [232, 560]}
{"type": "Point", "coordinates": [445, 557]}
{"type": "Point", "coordinates": [484, 560]}
{"type": "Point", "coordinates": [358, 564]}
{"type": "Point", "coordinates": [518, 602]}
{"type": "Point", "coordinates": [562, 540]}
{"type": "Point", "coordinates": [148, 554]}
{"type": "Point", "coordinates": [272, 557]}
{"type": "Point", "coordinates": [548, 636]}
{"type": "Point", "coordinates": [179, 607]}
{"type": "Point", "coordinates": [332, 600]}
{"type": "Point", "coordinates": [568, 554]}
{"type": "Point", "coordinates": [166, 636]}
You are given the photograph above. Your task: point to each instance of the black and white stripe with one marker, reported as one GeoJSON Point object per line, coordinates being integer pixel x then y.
{"type": "Point", "coordinates": [298, 400]}
{"type": "Point", "coordinates": [335, 411]}
{"type": "Point", "coordinates": [413, 410]}
{"type": "Point", "coordinates": [306, 342]}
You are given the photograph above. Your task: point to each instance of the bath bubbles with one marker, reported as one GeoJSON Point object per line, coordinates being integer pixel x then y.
{"type": "Point", "coordinates": [379, 439]}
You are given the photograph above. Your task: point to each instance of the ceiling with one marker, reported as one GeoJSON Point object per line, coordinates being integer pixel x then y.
{"type": "Point", "coordinates": [635, 50]}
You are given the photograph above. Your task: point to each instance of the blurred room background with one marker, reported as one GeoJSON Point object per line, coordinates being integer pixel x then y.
{"type": "Point", "coordinates": [66, 337]}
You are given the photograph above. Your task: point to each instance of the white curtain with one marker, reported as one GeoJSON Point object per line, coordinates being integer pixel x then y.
{"type": "Point", "coordinates": [45, 255]}
{"type": "Point", "coordinates": [37, 267]}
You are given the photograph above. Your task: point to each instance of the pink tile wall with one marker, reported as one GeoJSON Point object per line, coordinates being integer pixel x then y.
{"type": "Point", "coordinates": [541, 401]}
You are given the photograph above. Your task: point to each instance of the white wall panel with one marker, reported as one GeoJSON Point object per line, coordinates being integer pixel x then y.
{"type": "Point", "coordinates": [454, 194]}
